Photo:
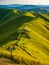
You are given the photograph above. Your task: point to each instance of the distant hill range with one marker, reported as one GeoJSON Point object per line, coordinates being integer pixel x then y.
{"type": "Point", "coordinates": [34, 8]}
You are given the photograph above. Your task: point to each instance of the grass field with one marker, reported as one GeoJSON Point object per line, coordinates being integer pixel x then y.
{"type": "Point", "coordinates": [28, 33]}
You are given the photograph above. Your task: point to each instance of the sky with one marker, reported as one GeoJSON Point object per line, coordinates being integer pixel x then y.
{"type": "Point", "coordinates": [32, 2]}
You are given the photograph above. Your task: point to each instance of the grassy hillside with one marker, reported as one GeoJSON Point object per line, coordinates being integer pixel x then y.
{"type": "Point", "coordinates": [28, 32]}
{"type": "Point", "coordinates": [6, 62]}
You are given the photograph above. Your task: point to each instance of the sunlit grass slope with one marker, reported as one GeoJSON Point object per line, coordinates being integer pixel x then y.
{"type": "Point", "coordinates": [32, 50]}
{"type": "Point", "coordinates": [45, 15]}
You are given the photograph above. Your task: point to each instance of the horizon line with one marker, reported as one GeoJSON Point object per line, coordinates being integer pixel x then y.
{"type": "Point", "coordinates": [26, 4]}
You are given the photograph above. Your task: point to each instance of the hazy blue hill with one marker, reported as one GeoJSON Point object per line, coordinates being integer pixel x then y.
{"type": "Point", "coordinates": [26, 7]}
{"type": "Point", "coordinates": [15, 5]}
{"type": "Point", "coordinates": [11, 6]}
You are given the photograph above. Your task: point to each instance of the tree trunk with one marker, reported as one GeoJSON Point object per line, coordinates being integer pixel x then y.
{"type": "Point", "coordinates": [11, 55]}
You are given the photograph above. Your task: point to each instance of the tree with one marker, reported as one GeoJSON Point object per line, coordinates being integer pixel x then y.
{"type": "Point", "coordinates": [10, 49]}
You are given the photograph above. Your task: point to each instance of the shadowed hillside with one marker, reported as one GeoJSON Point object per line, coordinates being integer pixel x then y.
{"type": "Point", "coordinates": [26, 34]}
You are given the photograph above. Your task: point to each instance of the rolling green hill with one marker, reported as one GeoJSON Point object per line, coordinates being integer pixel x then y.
{"type": "Point", "coordinates": [28, 32]}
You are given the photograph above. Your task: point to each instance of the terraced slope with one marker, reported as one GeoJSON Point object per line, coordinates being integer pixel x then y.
{"type": "Point", "coordinates": [32, 44]}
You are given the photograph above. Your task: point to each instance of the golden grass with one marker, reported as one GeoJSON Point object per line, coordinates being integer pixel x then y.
{"type": "Point", "coordinates": [36, 48]}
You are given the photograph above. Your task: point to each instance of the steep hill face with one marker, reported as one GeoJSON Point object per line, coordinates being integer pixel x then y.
{"type": "Point", "coordinates": [13, 22]}
{"type": "Point", "coordinates": [28, 32]}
